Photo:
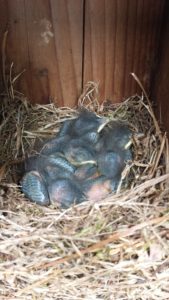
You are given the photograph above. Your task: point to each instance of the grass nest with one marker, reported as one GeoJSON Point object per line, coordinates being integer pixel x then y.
{"type": "Point", "coordinates": [116, 248]}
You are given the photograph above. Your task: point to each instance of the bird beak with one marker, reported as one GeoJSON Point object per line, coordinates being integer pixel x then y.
{"type": "Point", "coordinates": [127, 146]}
{"type": "Point", "coordinates": [104, 123]}
{"type": "Point", "coordinates": [130, 142]}
{"type": "Point", "coordinates": [92, 162]}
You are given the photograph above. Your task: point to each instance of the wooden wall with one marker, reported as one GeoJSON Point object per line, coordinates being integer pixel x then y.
{"type": "Point", "coordinates": [62, 44]}
{"type": "Point", "coordinates": [160, 80]}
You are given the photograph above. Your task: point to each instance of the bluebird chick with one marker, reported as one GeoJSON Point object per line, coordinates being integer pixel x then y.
{"type": "Point", "coordinates": [78, 153]}
{"type": "Point", "coordinates": [91, 137]}
{"type": "Point", "coordinates": [110, 164]}
{"type": "Point", "coordinates": [41, 162]}
{"type": "Point", "coordinates": [97, 188]}
{"type": "Point", "coordinates": [55, 145]}
{"type": "Point", "coordinates": [86, 122]}
{"type": "Point", "coordinates": [115, 136]}
{"type": "Point", "coordinates": [57, 159]}
{"type": "Point", "coordinates": [65, 193]}
{"type": "Point", "coordinates": [66, 128]}
{"type": "Point", "coordinates": [86, 171]}
{"type": "Point", "coordinates": [34, 187]}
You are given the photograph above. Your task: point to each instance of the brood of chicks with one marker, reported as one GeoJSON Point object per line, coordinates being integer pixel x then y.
{"type": "Point", "coordinates": [83, 162]}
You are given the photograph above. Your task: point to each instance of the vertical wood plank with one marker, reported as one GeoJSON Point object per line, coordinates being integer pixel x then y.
{"type": "Point", "coordinates": [49, 50]}
{"type": "Point", "coordinates": [145, 40]}
{"type": "Point", "coordinates": [154, 44]}
{"type": "Point", "coordinates": [123, 41]}
{"type": "Point", "coordinates": [94, 51]}
{"type": "Point", "coordinates": [137, 44]}
{"type": "Point", "coordinates": [160, 79]}
{"type": "Point", "coordinates": [67, 18]}
{"type": "Point", "coordinates": [130, 43]}
{"type": "Point", "coordinates": [3, 17]}
{"type": "Point", "coordinates": [46, 39]}
{"type": "Point", "coordinates": [120, 49]}
{"type": "Point", "coordinates": [3, 28]}
{"type": "Point", "coordinates": [17, 47]}
{"type": "Point", "coordinates": [45, 80]}
{"type": "Point", "coordinates": [110, 45]}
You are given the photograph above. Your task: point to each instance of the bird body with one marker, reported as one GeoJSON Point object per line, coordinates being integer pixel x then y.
{"type": "Point", "coordinates": [65, 193]}
{"type": "Point", "coordinates": [77, 152]}
{"type": "Point", "coordinates": [87, 121]}
{"type": "Point", "coordinates": [91, 137]}
{"type": "Point", "coordinates": [30, 163]}
{"type": "Point", "coordinates": [66, 128]}
{"type": "Point", "coordinates": [61, 191]}
{"type": "Point", "coordinates": [54, 145]}
{"type": "Point", "coordinates": [115, 136]}
{"type": "Point", "coordinates": [110, 164]}
{"type": "Point", "coordinates": [57, 159]}
{"type": "Point", "coordinates": [40, 162]}
{"type": "Point", "coordinates": [86, 171]}
{"type": "Point", "coordinates": [97, 188]}
{"type": "Point", "coordinates": [34, 187]}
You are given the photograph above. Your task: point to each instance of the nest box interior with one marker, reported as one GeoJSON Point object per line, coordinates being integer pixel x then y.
{"type": "Point", "coordinates": [116, 248]}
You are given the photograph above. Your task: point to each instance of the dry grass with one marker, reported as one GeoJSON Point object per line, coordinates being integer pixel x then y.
{"type": "Point", "coordinates": [116, 248]}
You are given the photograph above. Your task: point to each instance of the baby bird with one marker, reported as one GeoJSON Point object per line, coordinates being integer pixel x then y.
{"type": "Point", "coordinates": [42, 163]}
{"type": "Point", "coordinates": [65, 192]}
{"type": "Point", "coordinates": [91, 137]}
{"type": "Point", "coordinates": [110, 164]}
{"type": "Point", "coordinates": [97, 188]}
{"type": "Point", "coordinates": [39, 172]}
{"type": "Point", "coordinates": [66, 128]}
{"type": "Point", "coordinates": [61, 191]}
{"type": "Point", "coordinates": [86, 122]}
{"type": "Point", "coordinates": [51, 179]}
{"type": "Point", "coordinates": [78, 153]}
{"type": "Point", "coordinates": [56, 159]}
{"type": "Point", "coordinates": [115, 136]}
{"type": "Point", "coordinates": [86, 171]}
{"type": "Point", "coordinates": [34, 187]}
{"type": "Point", "coordinates": [55, 145]}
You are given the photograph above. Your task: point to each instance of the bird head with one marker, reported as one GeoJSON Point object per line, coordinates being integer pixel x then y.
{"type": "Point", "coordinates": [77, 153]}
{"type": "Point", "coordinates": [88, 121]}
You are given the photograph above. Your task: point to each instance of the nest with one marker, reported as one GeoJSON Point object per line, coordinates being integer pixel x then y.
{"type": "Point", "coordinates": [116, 248]}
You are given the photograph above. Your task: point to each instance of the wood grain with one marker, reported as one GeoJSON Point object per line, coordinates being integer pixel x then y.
{"type": "Point", "coordinates": [152, 19]}
{"type": "Point", "coordinates": [17, 47]}
{"type": "Point", "coordinates": [121, 37]}
{"type": "Point", "coordinates": [67, 18]}
{"type": "Point", "coordinates": [3, 28]}
{"type": "Point", "coordinates": [45, 38]}
{"type": "Point", "coordinates": [62, 44]}
{"type": "Point", "coordinates": [45, 81]}
{"type": "Point", "coordinates": [160, 81]}
{"type": "Point", "coordinates": [110, 23]}
{"type": "Point", "coordinates": [94, 43]}
{"type": "Point", "coordinates": [120, 50]}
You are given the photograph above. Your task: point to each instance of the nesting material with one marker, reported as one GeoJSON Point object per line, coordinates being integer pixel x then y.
{"type": "Point", "coordinates": [116, 248]}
